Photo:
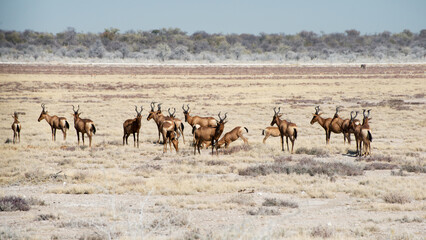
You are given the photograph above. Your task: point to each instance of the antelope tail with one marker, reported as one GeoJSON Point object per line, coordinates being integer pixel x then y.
{"type": "Point", "coordinates": [193, 129]}
{"type": "Point", "coordinates": [67, 125]}
{"type": "Point", "coordinates": [369, 136]}
{"type": "Point", "coordinates": [18, 129]}
{"type": "Point", "coordinates": [295, 133]}
{"type": "Point", "coordinates": [246, 129]}
{"type": "Point", "coordinates": [263, 132]}
{"type": "Point", "coordinates": [182, 126]}
{"type": "Point", "coordinates": [93, 129]}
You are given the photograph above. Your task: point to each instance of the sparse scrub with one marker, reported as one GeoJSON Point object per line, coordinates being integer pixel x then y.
{"type": "Point", "coordinates": [46, 217]}
{"type": "Point", "coordinates": [279, 203]}
{"type": "Point", "coordinates": [304, 166]}
{"type": "Point", "coordinates": [319, 152]}
{"type": "Point", "coordinates": [169, 219]}
{"type": "Point", "coordinates": [13, 203]}
{"type": "Point", "coordinates": [321, 232]}
{"type": "Point", "coordinates": [407, 219]}
{"type": "Point", "coordinates": [414, 168]}
{"type": "Point", "coordinates": [242, 199]}
{"type": "Point", "coordinates": [380, 166]}
{"type": "Point", "coordinates": [264, 211]}
{"type": "Point", "coordinates": [235, 149]}
{"type": "Point", "coordinates": [396, 197]}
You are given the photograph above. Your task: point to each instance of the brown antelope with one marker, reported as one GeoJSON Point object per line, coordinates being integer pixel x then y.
{"type": "Point", "coordinates": [270, 131]}
{"type": "Point", "coordinates": [346, 127]}
{"type": "Point", "coordinates": [363, 66]}
{"type": "Point", "coordinates": [208, 134]}
{"type": "Point", "coordinates": [179, 124]}
{"type": "Point", "coordinates": [287, 129]}
{"type": "Point", "coordinates": [16, 127]}
{"type": "Point", "coordinates": [355, 127]}
{"type": "Point", "coordinates": [196, 120]}
{"type": "Point", "coordinates": [55, 122]}
{"type": "Point", "coordinates": [365, 134]}
{"type": "Point", "coordinates": [231, 136]}
{"type": "Point", "coordinates": [326, 124]}
{"type": "Point", "coordinates": [83, 126]}
{"type": "Point", "coordinates": [173, 137]}
{"type": "Point", "coordinates": [159, 118]}
{"type": "Point", "coordinates": [338, 122]}
{"type": "Point", "coordinates": [132, 126]}
{"type": "Point", "coordinates": [168, 129]}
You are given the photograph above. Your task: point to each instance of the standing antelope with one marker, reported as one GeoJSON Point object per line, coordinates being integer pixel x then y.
{"type": "Point", "coordinates": [208, 134]}
{"type": "Point", "coordinates": [168, 129]}
{"type": "Point", "coordinates": [287, 129]}
{"type": "Point", "coordinates": [270, 131]}
{"type": "Point", "coordinates": [179, 124]}
{"type": "Point", "coordinates": [83, 126]}
{"type": "Point", "coordinates": [16, 127]}
{"type": "Point", "coordinates": [196, 120]}
{"type": "Point", "coordinates": [231, 136]}
{"type": "Point", "coordinates": [346, 126]}
{"type": "Point", "coordinates": [55, 122]}
{"type": "Point", "coordinates": [365, 134]}
{"type": "Point", "coordinates": [132, 126]}
{"type": "Point", "coordinates": [326, 124]}
{"type": "Point", "coordinates": [338, 123]}
{"type": "Point", "coordinates": [159, 118]}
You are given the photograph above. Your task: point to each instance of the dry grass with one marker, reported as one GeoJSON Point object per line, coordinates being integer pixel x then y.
{"type": "Point", "coordinates": [207, 192]}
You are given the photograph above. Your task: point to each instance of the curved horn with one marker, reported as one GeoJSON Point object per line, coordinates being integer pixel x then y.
{"type": "Point", "coordinates": [225, 116]}
{"type": "Point", "coordinates": [183, 107]}
{"type": "Point", "coordinates": [73, 108]}
{"type": "Point", "coordinates": [152, 106]}
{"type": "Point", "coordinates": [317, 109]}
{"type": "Point", "coordinates": [159, 107]}
{"type": "Point", "coordinates": [141, 109]}
{"type": "Point", "coordinates": [219, 116]}
{"type": "Point", "coordinates": [174, 111]}
{"type": "Point", "coordinates": [170, 114]}
{"type": "Point", "coordinates": [356, 114]}
{"type": "Point", "coordinates": [368, 112]}
{"type": "Point", "coordinates": [275, 112]}
{"type": "Point", "coordinates": [363, 112]}
{"type": "Point", "coordinates": [352, 117]}
{"type": "Point", "coordinates": [136, 109]}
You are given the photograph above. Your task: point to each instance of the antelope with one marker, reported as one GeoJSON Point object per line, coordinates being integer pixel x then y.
{"type": "Point", "coordinates": [132, 126]}
{"type": "Point", "coordinates": [208, 134]}
{"type": "Point", "coordinates": [159, 118]}
{"type": "Point", "coordinates": [55, 122]}
{"type": "Point", "coordinates": [338, 122]}
{"type": "Point", "coordinates": [168, 129]}
{"type": "Point", "coordinates": [231, 136]}
{"type": "Point", "coordinates": [173, 137]}
{"type": "Point", "coordinates": [287, 129]}
{"type": "Point", "coordinates": [365, 134]}
{"type": "Point", "coordinates": [179, 124]}
{"type": "Point", "coordinates": [16, 127]}
{"type": "Point", "coordinates": [83, 126]}
{"type": "Point", "coordinates": [270, 131]}
{"type": "Point", "coordinates": [346, 127]}
{"type": "Point", "coordinates": [363, 66]}
{"type": "Point", "coordinates": [196, 120]}
{"type": "Point", "coordinates": [355, 127]}
{"type": "Point", "coordinates": [326, 124]}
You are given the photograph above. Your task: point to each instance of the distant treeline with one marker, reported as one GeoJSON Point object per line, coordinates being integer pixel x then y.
{"type": "Point", "coordinates": [174, 44]}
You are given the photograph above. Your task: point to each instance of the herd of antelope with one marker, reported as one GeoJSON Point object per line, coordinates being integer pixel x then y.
{"type": "Point", "coordinates": [208, 130]}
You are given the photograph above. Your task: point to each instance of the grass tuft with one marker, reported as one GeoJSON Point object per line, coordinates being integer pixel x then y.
{"type": "Point", "coordinates": [264, 211]}
{"type": "Point", "coordinates": [319, 152]}
{"type": "Point", "coordinates": [321, 231]}
{"type": "Point", "coordinates": [380, 166]}
{"type": "Point", "coordinates": [13, 203]}
{"type": "Point", "coordinates": [269, 202]}
{"type": "Point", "coordinates": [395, 197]}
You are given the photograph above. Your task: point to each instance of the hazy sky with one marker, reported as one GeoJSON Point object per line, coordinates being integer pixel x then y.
{"type": "Point", "coordinates": [221, 16]}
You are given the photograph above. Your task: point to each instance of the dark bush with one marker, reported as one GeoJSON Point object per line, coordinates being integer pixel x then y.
{"type": "Point", "coordinates": [13, 203]}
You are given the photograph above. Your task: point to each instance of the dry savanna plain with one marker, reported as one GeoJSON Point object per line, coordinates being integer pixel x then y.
{"type": "Point", "coordinates": [253, 191]}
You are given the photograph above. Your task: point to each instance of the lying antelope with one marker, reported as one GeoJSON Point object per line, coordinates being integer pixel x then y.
{"type": "Point", "coordinates": [208, 134]}
{"type": "Point", "coordinates": [287, 129]}
{"type": "Point", "coordinates": [270, 131]}
{"type": "Point", "coordinates": [55, 122]}
{"type": "Point", "coordinates": [132, 126]}
{"type": "Point", "coordinates": [231, 136]}
{"type": "Point", "coordinates": [326, 124]}
{"type": "Point", "coordinates": [83, 126]}
{"type": "Point", "coordinates": [16, 127]}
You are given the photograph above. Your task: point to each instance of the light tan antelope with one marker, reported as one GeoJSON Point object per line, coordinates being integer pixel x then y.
{"type": "Point", "coordinates": [326, 124]}
{"type": "Point", "coordinates": [83, 126]}
{"type": "Point", "coordinates": [287, 129]}
{"type": "Point", "coordinates": [16, 127]}
{"type": "Point", "coordinates": [132, 126]}
{"type": "Point", "coordinates": [270, 131]}
{"type": "Point", "coordinates": [208, 134]}
{"type": "Point", "coordinates": [231, 136]}
{"type": "Point", "coordinates": [167, 129]}
{"type": "Point", "coordinates": [55, 122]}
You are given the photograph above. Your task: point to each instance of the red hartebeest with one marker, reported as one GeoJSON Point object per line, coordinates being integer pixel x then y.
{"type": "Point", "coordinates": [270, 131]}
{"type": "Point", "coordinates": [132, 126]}
{"type": "Point", "coordinates": [55, 122]}
{"type": "Point", "coordinates": [16, 127]}
{"type": "Point", "coordinates": [287, 129]}
{"type": "Point", "coordinates": [208, 134]}
{"type": "Point", "coordinates": [231, 136]}
{"type": "Point", "coordinates": [83, 126]}
{"type": "Point", "coordinates": [326, 124]}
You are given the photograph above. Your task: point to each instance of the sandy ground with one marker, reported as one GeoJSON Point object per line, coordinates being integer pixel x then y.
{"type": "Point", "coordinates": [121, 192]}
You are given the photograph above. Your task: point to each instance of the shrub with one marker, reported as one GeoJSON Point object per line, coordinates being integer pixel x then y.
{"type": "Point", "coordinates": [319, 152]}
{"type": "Point", "coordinates": [322, 232]}
{"type": "Point", "coordinates": [395, 197]}
{"type": "Point", "coordinates": [414, 168]}
{"type": "Point", "coordinates": [279, 203]}
{"type": "Point", "coordinates": [264, 211]}
{"type": "Point", "coordinates": [380, 166]}
{"type": "Point", "coordinates": [13, 203]}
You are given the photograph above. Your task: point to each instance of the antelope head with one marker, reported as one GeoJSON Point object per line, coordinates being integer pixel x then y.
{"type": "Point", "coordinates": [138, 114]}
{"type": "Point", "coordinates": [316, 115]}
{"type": "Point", "coordinates": [366, 116]}
{"type": "Point", "coordinates": [76, 113]}
{"type": "Point", "coordinates": [152, 112]}
{"type": "Point", "coordinates": [15, 116]}
{"type": "Point", "coordinates": [186, 112]}
{"type": "Point", "coordinates": [43, 112]}
{"type": "Point", "coordinates": [276, 117]}
{"type": "Point", "coordinates": [172, 115]}
{"type": "Point", "coordinates": [221, 120]}
{"type": "Point", "coordinates": [352, 122]}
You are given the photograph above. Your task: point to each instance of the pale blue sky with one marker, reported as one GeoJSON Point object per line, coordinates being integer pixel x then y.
{"type": "Point", "coordinates": [222, 16]}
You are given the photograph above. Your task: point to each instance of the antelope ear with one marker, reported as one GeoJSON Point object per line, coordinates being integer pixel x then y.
{"type": "Point", "coordinates": [280, 115]}
{"type": "Point", "coordinates": [319, 114]}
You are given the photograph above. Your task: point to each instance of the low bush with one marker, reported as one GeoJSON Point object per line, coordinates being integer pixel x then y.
{"type": "Point", "coordinates": [396, 197]}
{"type": "Point", "coordinates": [13, 203]}
{"type": "Point", "coordinates": [269, 202]}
